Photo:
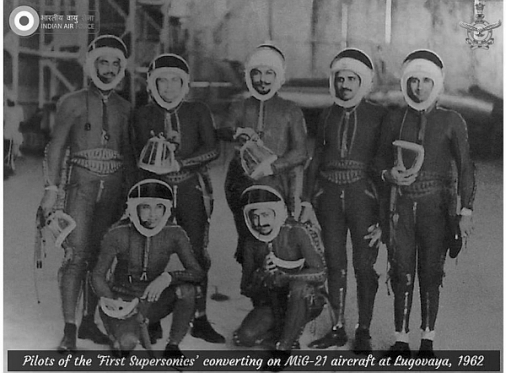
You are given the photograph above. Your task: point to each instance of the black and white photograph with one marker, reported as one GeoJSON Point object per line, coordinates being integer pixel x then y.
{"type": "Point", "coordinates": [290, 179]}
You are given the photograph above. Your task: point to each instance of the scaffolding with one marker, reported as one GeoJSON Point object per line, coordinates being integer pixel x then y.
{"type": "Point", "coordinates": [149, 27]}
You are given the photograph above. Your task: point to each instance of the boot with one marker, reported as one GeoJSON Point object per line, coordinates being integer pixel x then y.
{"type": "Point", "coordinates": [68, 342]}
{"type": "Point", "coordinates": [426, 349]}
{"type": "Point", "coordinates": [362, 344]}
{"type": "Point", "coordinates": [89, 330]}
{"type": "Point", "coordinates": [155, 332]}
{"type": "Point", "coordinates": [336, 337]}
{"type": "Point", "coordinates": [202, 329]}
{"type": "Point", "coordinates": [172, 351]}
{"type": "Point", "coordinates": [280, 356]}
{"type": "Point", "coordinates": [399, 349]}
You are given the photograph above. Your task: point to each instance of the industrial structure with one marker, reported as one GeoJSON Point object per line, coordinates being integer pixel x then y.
{"type": "Point", "coordinates": [216, 36]}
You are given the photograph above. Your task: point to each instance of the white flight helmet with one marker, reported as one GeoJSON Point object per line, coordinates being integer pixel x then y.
{"type": "Point", "coordinates": [264, 196]}
{"type": "Point", "coordinates": [358, 62]}
{"type": "Point", "coordinates": [420, 64]}
{"type": "Point", "coordinates": [158, 68]}
{"type": "Point", "coordinates": [152, 192]}
{"type": "Point", "coordinates": [272, 57]}
{"type": "Point", "coordinates": [106, 44]}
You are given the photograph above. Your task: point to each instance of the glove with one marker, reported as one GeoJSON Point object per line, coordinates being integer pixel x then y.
{"type": "Point", "coordinates": [156, 287]}
{"type": "Point", "coordinates": [374, 235]}
{"type": "Point", "coordinates": [466, 225]}
{"type": "Point", "coordinates": [176, 166]}
{"type": "Point", "coordinates": [172, 146]}
{"type": "Point", "coordinates": [48, 201]}
{"type": "Point", "coordinates": [263, 170]}
{"type": "Point", "coordinates": [399, 176]}
{"type": "Point", "coordinates": [246, 133]}
{"type": "Point", "coordinates": [269, 263]}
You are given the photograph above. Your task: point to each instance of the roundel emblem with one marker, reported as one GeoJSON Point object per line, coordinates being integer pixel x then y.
{"type": "Point", "coordinates": [24, 20]}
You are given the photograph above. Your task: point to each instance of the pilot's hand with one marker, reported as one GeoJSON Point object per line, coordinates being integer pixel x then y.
{"type": "Point", "coordinates": [399, 176]}
{"type": "Point", "coordinates": [246, 133]}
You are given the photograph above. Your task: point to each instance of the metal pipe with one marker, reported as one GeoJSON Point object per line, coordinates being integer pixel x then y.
{"type": "Point", "coordinates": [131, 62]}
{"type": "Point", "coordinates": [344, 24]}
{"type": "Point", "coordinates": [48, 54]}
{"type": "Point", "coordinates": [270, 4]}
{"type": "Point", "coordinates": [40, 62]}
{"type": "Point", "coordinates": [388, 21]}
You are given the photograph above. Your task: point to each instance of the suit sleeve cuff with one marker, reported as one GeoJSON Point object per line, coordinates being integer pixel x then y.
{"type": "Point", "coordinates": [466, 212]}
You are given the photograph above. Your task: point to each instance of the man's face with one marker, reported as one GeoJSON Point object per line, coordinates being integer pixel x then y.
{"type": "Point", "coordinates": [263, 220]}
{"type": "Point", "coordinates": [150, 214]}
{"type": "Point", "coordinates": [169, 87]}
{"type": "Point", "coordinates": [108, 67]}
{"type": "Point", "coordinates": [262, 78]}
{"type": "Point", "coordinates": [346, 83]}
{"type": "Point", "coordinates": [419, 89]}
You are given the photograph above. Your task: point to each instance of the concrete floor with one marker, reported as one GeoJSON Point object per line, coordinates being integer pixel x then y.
{"type": "Point", "coordinates": [470, 316]}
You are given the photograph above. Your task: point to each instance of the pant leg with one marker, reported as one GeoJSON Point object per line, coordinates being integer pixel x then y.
{"type": "Point", "coordinates": [402, 259]}
{"type": "Point", "coordinates": [179, 299]}
{"type": "Point", "coordinates": [330, 213]}
{"type": "Point", "coordinates": [431, 233]}
{"type": "Point", "coordinates": [256, 327]}
{"type": "Point", "coordinates": [192, 217]}
{"type": "Point", "coordinates": [80, 201]}
{"type": "Point", "coordinates": [303, 305]}
{"type": "Point", "coordinates": [109, 207]}
{"type": "Point", "coordinates": [235, 183]}
{"type": "Point", "coordinates": [93, 203]}
{"type": "Point", "coordinates": [361, 213]}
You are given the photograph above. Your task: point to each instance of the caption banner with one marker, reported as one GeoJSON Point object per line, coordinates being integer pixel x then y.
{"type": "Point", "coordinates": [251, 360]}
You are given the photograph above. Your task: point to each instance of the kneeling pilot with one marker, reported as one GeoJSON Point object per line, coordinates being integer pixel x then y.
{"type": "Point", "coordinates": [283, 272]}
{"type": "Point", "coordinates": [143, 245]}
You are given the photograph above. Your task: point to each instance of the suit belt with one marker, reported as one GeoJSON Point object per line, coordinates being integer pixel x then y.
{"type": "Point", "coordinates": [99, 167]}
{"type": "Point", "coordinates": [342, 177]}
{"type": "Point", "coordinates": [427, 183]}
{"type": "Point", "coordinates": [178, 177]}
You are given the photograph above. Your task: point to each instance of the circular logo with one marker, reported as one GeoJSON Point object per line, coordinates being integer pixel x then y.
{"type": "Point", "coordinates": [478, 34]}
{"type": "Point", "coordinates": [24, 20]}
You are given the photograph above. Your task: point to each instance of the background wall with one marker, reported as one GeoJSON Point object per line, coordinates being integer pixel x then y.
{"type": "Point", "coordinates": [312, 32]}
{"type": "Point", "coordinates": [216, 36]}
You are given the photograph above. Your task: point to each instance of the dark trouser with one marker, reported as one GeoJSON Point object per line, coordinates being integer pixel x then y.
{"type": "Point", "coordinates": [191, 215]}
{"type": "Point", "coordinates": [419, 242]}
{"type": "Point", "coordinates": [179, 299]}
{"type": "Point", "coordinates": [343, 207]}
{"type": "Point", "coordinates": [95, 203]}
{"type": "Point", "coordinates": [235, 183]}
{"type": "Point", "coordinates": [282, 316]}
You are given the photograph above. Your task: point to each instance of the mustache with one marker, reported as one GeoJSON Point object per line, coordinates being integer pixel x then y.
{"type": "Point", "coordinates": [262, 226]}
{"type": "Point", "coordinates": [261, 83]}
{"type": "Point", "coordinates": [109, 74]}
